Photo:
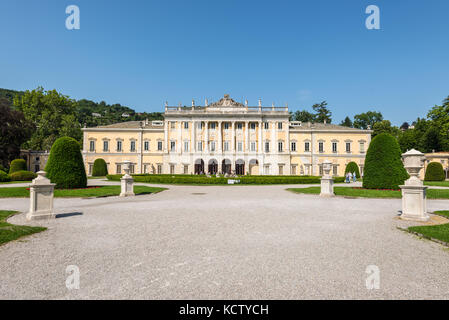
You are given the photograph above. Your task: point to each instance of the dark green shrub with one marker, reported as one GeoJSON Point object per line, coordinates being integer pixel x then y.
{"type": "Point", "coordinates": [100, 168]}
{"type": "Point", "coordinates": [434, 172]}
{"type": "Point", "coordinates": [4, 177]}
{"type": "Point", "coordinates": [65, 165]}
{"type": "Point", "coordinates": [383, 164]}
{"type": "Point", "coordinates": [22, 176]}
{"type": "Point", "coordinates": [2, 168]}
{"type": "Point", "coordinates": [353, 167]}
{"type": "Point", "coordinates": [18, 165]}
{"type": "Point", "coordinates": [201, 179]}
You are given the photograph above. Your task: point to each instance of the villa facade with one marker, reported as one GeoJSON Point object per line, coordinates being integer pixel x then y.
{"type": "Point", "coordinates": [225, 137]}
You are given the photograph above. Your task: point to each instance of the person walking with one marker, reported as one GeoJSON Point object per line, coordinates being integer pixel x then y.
{"type": "Point", "coordinates": [354, 177]}
{"type": "Point", "coordinates": [350, 177]}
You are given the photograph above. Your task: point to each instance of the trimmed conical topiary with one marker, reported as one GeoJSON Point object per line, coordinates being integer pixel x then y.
{"type": "Point", "coordinates": [65, 165]}
{"type": "Point", "coordinates": [17, 165]}
{"type": "Point", "coordinates": [353, 167]}
{"type": "Point", "coordinates": [383, 165]}
{"type": "Point", "coordinates": [434, 172]}
{"type": "Point", "coordinates": [100, 168]}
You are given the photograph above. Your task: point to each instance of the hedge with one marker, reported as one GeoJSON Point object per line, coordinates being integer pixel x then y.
{"type": "Point", "coordinates": [65, 165]}
{"type": "Point", "coordinates": [383, 164]}
{"type": "Point", "coordinates": [22, 175]}
{"type": "Point", "coordinates": [201, 179]}
{"type": "Point", "coordinates": [4, 177]}
{"type": "Point", "coordinates": [353, 167]}
{"type": "Point", "coordinates": [434, 172]}
{"type": "Point", "coordinates": [17, 165]}
{"type": "Point", "coordinates": [100, 168]}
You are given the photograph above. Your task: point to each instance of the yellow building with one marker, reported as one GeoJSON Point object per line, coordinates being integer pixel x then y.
{"type": "Point", "coordinates": [441, 157]}
{"type": "Point", "coordinates": [225, 137]}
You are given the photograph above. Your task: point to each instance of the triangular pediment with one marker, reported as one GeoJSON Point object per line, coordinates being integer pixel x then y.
{"type": "Point", "coordinates": [226, 101]}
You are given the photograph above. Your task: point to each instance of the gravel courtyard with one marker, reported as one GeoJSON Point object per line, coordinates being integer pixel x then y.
{"type": "Point", "coordinates": [223, 242]}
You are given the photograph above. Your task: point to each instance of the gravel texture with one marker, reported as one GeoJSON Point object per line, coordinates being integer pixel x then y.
{"type": "Point", "coordinates": [223, 242]}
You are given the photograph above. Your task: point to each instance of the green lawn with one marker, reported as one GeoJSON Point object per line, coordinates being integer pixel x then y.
{"type": "Point", "coordinates": [11, 182]}
{"type": "Point", "coordinates": [104, 191]}
{"type": "Point", "coordinates": [9, 232]}
{"type": "Point", "coordinates": [440, 232]}
{"type": "Point", "coordinates": [437, 183]}
{"type": "Point", "coordinates": [371, 193]}
{"type": "Point", "coordinates": [443, 213]}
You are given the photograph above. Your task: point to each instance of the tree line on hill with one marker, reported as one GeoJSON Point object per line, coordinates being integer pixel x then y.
{"type": "Point", "coordinates": [35, 119]}
{"type": "Point", "coordinates": [425, 134]}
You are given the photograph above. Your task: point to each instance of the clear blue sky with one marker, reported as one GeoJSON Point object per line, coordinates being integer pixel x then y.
{"type": "Point", "coordinates": [141, 53]}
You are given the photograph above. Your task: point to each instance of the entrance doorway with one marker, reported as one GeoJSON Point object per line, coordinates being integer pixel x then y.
{"type": "Point", "coordinates": [213, 166]}
{"type": "Point", "coordinates": [226, 166]}
{"type": "Point", "coordinates": [240, 167]}
{"type": "Point", "coordinates": [199, 166]}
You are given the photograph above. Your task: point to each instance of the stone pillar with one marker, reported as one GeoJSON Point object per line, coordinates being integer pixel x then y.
{"type": "Point", "coordinates": [126, 182]}
{"type": "Point", "coordinates": [41, 198]}
{"type": "Point", "coordinates": [206, 137]}
{"type": "Point", "coordinates": [220, 137]}
{"type": "Point", "coordinates": [233, 138]}
{"type": "Point", "coordinates": [193, 137]}
{"type": "Point", "coordinates": [413, 191]}
{"type": "Point", "coordinates": [246, 136]}
{"type": "Point", "coordinates": [327, 182]}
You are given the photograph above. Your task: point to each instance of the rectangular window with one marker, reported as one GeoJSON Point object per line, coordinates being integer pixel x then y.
{"type": "Point", "coordinates": [146, 145]}
{"type": "Point", "coordinates": [186, 146]}
{"type": "Point", "coordinates": [119, 146]}
{"type": "Point", "coordinates": [159, 169]}
{"type": "Point", "coordinates": [362, 147]}
{"type": "Point", "coordinates": [212, 126]}
{"type": "Point", "coordinates": [321, 147]}
{"type": "Point", "coordinates": [186, 169]}
{"type": "Point", "coordinates": [281, 169]}
{"type": "Point", "coordinates": [200, 146]}
{"type": "Point", "coordinates": [226, 125]}
{"type": "Point", "coordinates": [133, 146]}
{"type": "Point", "coordinates": [267, 147]}
{"type": "Point", "coordinates": [118, 169]}
{"type": "Point", "coordinates": [172, 146]}
{"type": "Point", "coordinates": [266, 125]}
{"type": "Point", "coordinates": [239, 126]}
{"type": "Point", "coordinates": [105, 146]}
{"type": "Point", "coordinates": [334, 147]}
{"type": "Point", "coordinates": [293, 170]}
{"type": "Point", "coordinates": [159, 146]}
{"type": "Point", "coordinates": [280, 145]}
{"type": "Point", "coordinates": [131, 168]}
{"type": "Point", "coordinates": [294, 146]}
{"type": "Point", "coordinates": [307, 146]}
{"type": "Point", "coordinates": [90, 168]}
{"type": "Point", "coordinates": [320, 169]}
{"type": "Point", "coordinates": [348, 147]}
{"type": "Point", "coordinates": [279, 125]}
{"type": "Point", "coordinates": [253, 146]}
{"type": "Point", "coordinates": [239, 146]}
{"type": "Point", "coordinates": [226, 146]}
{"type": "Point", "coordinates": [172, 169]}
{"type": "Point", "coordinates": [266, 169]}
{"type": "Point", "coordinates": [92, 146]}
{"type": "Point", "coordinates": [335, 170]}
{"type": "Point", "coordinates": [252, 126]}
{"type": "Point", "coordinates": [212, 146]}
{"type": "Point", "coordinates": [145, 168]}
{"type": "Point", "coordinates": [172, 125]}
{"type": "Point", "coordinates": [186, 125]}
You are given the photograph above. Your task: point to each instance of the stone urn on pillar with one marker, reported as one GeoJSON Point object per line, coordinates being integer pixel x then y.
{"type": "Point", "coordinates": [413, 191]}
{"type": "Point", "coordinates": [327, 182]}
{"type": "Point", "coordinates": [127, 182]}
{"type": "Point", "coordinates": [41, 198]}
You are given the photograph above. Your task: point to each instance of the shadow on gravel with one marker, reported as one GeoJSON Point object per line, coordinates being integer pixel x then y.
{"type": "Point", "coordinates": [70, 214]}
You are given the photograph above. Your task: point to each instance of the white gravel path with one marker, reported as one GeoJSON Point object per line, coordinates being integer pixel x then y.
{"type": "Point", "coordinates": [223, 242]}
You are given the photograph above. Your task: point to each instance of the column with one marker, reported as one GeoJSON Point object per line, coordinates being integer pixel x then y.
{"type": "Point", "coordinates": [287, 134]}
{"type": "Point", "coordinates": [220, 137]}
{"type": "Point", "coordinates": [179, 143]}
{"type": "Point", "coordinates": [246, 136]}
{"type": "Point", "coordinates": [193, 137]}
{"type": "Point", "coordinates": [260, 148]}
{"type": "Point", "coordinates": [233, 137]}
{"type": "Point", "coordinates": [273, 137]}
{"type": "Point", "coordinates": [206, 138]}
{"type": "Point", "coordinates": [166, 137]}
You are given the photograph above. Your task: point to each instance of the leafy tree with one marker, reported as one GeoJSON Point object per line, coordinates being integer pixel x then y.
{"type": "Point", "coordinates": [65, 165]}
{"type": "Point", "coordinates": [404, 126]}
{"type": "Point", "coordinates": [439, 115]}
{"type": "Point", "coordinates": [322, 113]}
{"type": "Point", "coordinates": [385, 126]}
{"type": "Point", "coordinates": [52, 113]}
{"type": "Point", "coordinates": [363, 120]}
{"type": "Point", "coordinates": [383, 165]}
{"type": "Point", "coordinates": [304, 116]}
{"type": "Point", "coordinates": [347, 122]}
{"type": "Point", "coordinates": [14, 131]}
{"type": "Point", "coordinates": [408, 140]}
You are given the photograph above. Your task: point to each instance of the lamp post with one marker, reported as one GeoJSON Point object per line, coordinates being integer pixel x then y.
{"type": "Point", "coordinates": [413, 191]}
{"type": "Point", "coordinates": [327, 182]}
